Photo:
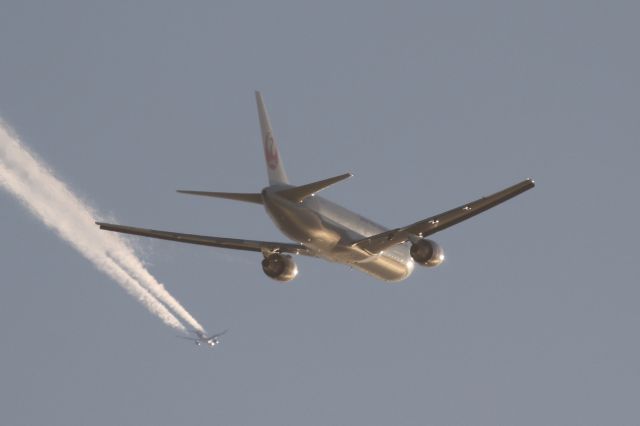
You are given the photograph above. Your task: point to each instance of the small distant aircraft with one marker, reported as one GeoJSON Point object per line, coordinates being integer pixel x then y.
{"type": "Point", "coordinates": [201, 338]}
{"type": "Point", "coordinates": [320, 228]}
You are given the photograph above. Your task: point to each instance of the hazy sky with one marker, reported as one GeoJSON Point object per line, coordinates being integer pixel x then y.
{"type": "Point", "coordinates": [532, 320]}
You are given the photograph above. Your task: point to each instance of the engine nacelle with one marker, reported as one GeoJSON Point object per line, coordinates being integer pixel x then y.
{"type": "Point", "coordinates": [427, 253]}
{"type": "Point", "coordinates": [280, 267]}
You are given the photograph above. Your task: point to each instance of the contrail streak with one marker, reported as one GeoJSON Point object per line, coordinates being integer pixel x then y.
{"type": "Point", "coordinates": [56, 206]}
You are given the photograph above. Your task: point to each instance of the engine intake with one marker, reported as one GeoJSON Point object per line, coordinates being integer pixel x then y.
{"type": "Point", "coordinates": [280, 267]}
{"type": "Point", "coordinates": [427, 253]}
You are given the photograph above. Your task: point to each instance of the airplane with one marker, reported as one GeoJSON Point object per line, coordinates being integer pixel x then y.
{"type": "Point", "coordinates": [320, 228]}
{"type": "Point", "coordinates": [201, 338]}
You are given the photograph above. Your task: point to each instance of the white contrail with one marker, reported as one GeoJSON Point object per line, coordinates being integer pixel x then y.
{"type": "Point", "coordinates": [46, 212]}
{"type": "Point", "coordinates": [52, 202]}
{"type": "Point", "coordinates": [126, 258]}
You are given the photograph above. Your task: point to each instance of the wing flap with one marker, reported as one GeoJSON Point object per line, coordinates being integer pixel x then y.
{"type": "Point", "coordinates": [229, 243]}
{"type": "Point", "coordinates": [439, 222]}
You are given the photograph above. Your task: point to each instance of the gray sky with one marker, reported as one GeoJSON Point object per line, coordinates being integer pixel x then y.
{"type": "Point", "coordinates": [532, 320]}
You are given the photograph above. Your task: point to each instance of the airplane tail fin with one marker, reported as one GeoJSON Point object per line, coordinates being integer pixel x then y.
{"type": "Point", "coordinates": [275, 169]}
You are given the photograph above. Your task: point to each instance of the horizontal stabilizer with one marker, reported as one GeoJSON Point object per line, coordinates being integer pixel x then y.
{"type": "Point", "coordinates": [299, 193]}
{"type": "Point", "coordinates": [237, 196]}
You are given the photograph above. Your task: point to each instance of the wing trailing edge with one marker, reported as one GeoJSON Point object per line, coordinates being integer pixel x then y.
{"type": "Point", "coordinates": [204, 240]}
{"type": "Point", "coordinates": [439, 222]}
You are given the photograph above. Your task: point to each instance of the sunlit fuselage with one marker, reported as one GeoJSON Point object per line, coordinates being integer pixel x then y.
{"type": "Point", "coordinates": [329, 230]}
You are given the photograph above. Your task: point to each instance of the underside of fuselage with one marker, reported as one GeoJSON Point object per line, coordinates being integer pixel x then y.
{"type": "Point", "coordinates": [329, 231]}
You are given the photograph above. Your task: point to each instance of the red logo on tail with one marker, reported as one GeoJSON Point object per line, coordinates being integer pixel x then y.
{"type": "Point", "coordinates": [270, 152]}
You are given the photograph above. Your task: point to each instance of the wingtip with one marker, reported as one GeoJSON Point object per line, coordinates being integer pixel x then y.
{"type": "Point", "coordinates": [345, 176]}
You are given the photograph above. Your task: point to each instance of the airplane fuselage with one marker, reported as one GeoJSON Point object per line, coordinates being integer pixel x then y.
{"type": "Point", "coordinates": [329, 230]}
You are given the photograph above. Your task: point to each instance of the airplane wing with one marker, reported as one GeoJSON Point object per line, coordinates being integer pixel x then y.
{"type": "Point", "coordinates": [219, 334]}
{"type": "Point", "coordinates": [439, 222]}
{"type": "Point", "coordinates": [229, 243]}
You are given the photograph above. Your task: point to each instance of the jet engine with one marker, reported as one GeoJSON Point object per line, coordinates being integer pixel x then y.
{"type": "Point", "coordinates": [427, 253]}
{"type": "Point", "coordinates": [280, 267]}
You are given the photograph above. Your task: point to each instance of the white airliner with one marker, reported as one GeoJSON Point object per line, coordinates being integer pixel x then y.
{"type": "Point", "coordinates": [201, 338]}
{"type": "Point", "coordinates": [323, 229]}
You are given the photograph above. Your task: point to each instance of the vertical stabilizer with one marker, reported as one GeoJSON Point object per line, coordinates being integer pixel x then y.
{"type": "Point", "coordinates": [275, 169]}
